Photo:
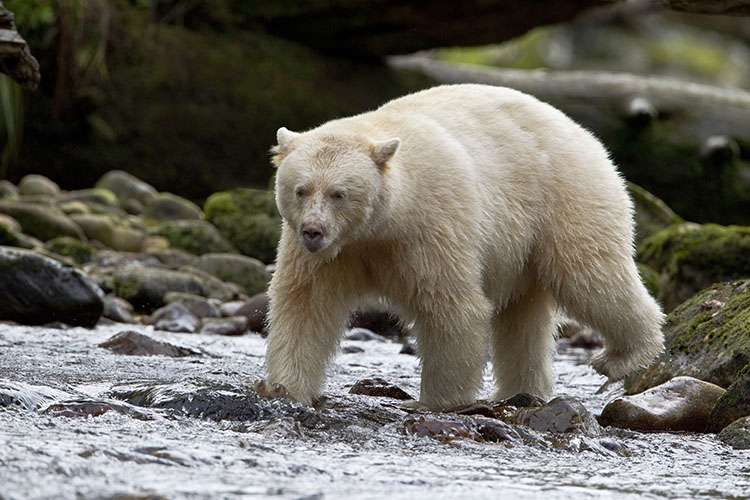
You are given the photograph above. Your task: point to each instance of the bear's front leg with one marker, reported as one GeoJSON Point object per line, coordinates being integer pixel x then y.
{"type": "Point", "coordinates": [305, 326]}
{"type": "Point", "coordinates": [452, 344]}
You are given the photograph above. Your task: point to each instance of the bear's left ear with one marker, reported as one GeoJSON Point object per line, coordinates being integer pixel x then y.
{"type": "Point", "coordinates": [383, 151]}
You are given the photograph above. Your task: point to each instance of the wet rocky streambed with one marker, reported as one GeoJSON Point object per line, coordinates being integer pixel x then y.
{"type": "Point", "coordinates": [84, 415]}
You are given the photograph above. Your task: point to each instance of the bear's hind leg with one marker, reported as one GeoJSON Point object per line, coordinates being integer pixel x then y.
{"type": "Point", "coordinates": [617, 305]}
{"type": "Point", "coordinates": [523, 344]}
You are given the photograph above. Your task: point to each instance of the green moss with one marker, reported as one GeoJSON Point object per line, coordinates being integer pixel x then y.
{"type": "Point", "coordinates": [8, 237]}
{"type": "Point", "coordinates": [126, 288]}
{"type": "Point", "coordinates": [254, 235]}
{"type": "Point", "coordinates": [197, 237]}
{"type": "Point", "coordinates": [76, 249]}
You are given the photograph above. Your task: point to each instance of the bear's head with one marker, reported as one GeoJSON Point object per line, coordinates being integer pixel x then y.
{"type": "Point", "coordinates": [330, 187]}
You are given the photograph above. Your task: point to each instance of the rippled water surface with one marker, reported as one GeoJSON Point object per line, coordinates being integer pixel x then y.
{"type": "Point", "coordinates": [190, 428]}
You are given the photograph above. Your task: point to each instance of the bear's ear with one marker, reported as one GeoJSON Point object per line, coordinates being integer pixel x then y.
{"type": "Point", "coordinates": [383, 151]}
{"type": "Point", "coordinates": [284, 137]}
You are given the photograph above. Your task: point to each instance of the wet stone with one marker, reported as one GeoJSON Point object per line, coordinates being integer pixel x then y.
{"type": "Point", "coordinates": [200, 306]}
{"type": "Point", "coordinates": [91, 408]}
{"type": "Point", "coordinates": [737, 434]}
{"type": "Point", "coordinates": [351, 349]}
{"type": "Point", "coordinates": [562, 414]}
{"type": "Point", "coordinates": [214, 402]}
{"type": "Point", "coordinates": [136, 344]}
{"type": "Point", "coordinates": [497, 431]}
{"type": "Point", "coordinates": [680, 404]}
{"type": "Point", "coordinates": [476, 408]}
{"type": "Point", "coordinates": [409, 348]}
{"type": "Point", "coordinates": [439, 429]}
{"type": "Point", "coordinates": [379, 387]}
{"type": "Point", "coordinates": [733, 404]}
{"type": "Point", "coordinates": [363, 334]}
{"type": "Point", "coordinates": [26, 396]}
{"type": "Point", "coordinates": [232, 326]}
{"type": "Point", "coordinates": [256, 310]}
{"type": "Point", "coordinates": [175, 318]}
{"type": "Point", "coordinates": [118, 309]}
{"type": "Point", "coordinates": [522, 400]}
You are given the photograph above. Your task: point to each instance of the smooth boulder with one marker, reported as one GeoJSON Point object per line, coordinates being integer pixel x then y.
{"type": "Point", "coordinates": [35, 290]}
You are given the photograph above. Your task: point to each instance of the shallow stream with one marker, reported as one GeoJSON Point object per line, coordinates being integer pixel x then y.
{"type": "Point", "coordinates": [79, 421]}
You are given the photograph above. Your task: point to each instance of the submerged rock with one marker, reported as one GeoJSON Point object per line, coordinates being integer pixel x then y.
{"type": "Point", "coordinates": [35, 290]}
{"type": "Point", "coordinates": [733, 404]}
{"type": "Point", "coordinates": [705, 337]}
{"type": "Point", "coordinates": [379, 387]}
{"type": "Point", "coordinates": [231, 325]}
{"type": "Point", "coordinates": [737, 434]}
{"type": "Point", "coordinates": [136, 344]}
{"type": "Point", "coordinates": [562, 414]}
{"type": "Point", "coordinates": [440, 429]}
{"type": "Point", "coordinates": [174, 317]}
{"type": "Point", "coordinates": [681, 404]}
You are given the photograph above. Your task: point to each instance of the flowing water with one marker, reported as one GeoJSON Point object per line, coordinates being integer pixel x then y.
{"type": "Point", "coordinates": [79, 421]}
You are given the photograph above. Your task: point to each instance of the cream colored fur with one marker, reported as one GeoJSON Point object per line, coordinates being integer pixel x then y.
{"type": "Point", "coordinates": [478, 212]}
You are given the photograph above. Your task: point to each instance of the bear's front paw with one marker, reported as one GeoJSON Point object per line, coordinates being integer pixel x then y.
{"type": "Point", "coordinates": [270, 391]}
{"type": "Point", "coordinates": [614, 366]}
{"type": "Point", "coordinates": [413, 405]}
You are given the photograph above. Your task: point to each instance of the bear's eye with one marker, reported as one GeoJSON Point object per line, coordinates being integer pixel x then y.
{"type": "Point", "coordinates": [338, 195]}
{"type": "Point", "coordinates": [300, 192]}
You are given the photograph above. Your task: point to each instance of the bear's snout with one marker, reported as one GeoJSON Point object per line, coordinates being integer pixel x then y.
{"type": "Point", "coordinates": [312, 235]}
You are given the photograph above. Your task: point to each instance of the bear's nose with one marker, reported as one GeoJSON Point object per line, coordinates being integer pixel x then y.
{"type": "Point", "coordinates": [313, 233]}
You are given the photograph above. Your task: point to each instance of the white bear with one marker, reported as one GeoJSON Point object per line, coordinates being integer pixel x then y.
{"type": "Point", "coordinates": [478, 213]}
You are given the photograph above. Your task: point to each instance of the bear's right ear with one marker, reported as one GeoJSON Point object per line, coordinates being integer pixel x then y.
{"type": "Point", "coordinates": [383, 151]}
{"type": "Point", "coordinates": [284, 137]}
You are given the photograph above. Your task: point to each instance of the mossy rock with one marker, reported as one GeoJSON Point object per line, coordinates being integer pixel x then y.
{"type": "Point", "coordinates": [254, 235]}
{"type": "Point", "coordinates": [34, 184]}
{"type": "Point", "coordinates": [691, 256]}
{"type": "Point", "coordinates": [651, 214]}
{"type": "Point", "coordinates": [195, 236]}
{"type": "Point", "coordinates": [98, 196]}
{"type": "Point", "coordinates": [77, 250]}
{"type": "Point", "coordinates": [8, 190]}
{"type": "Point", "coordinates": [706, 337]}
{"type": "Point", "coordinates": [127, 187]}
{"type": "Point", "coordinates": [41, 221]}
{"type": "Point", "coordinates": [245, 271]}
{"type": "Point", "coordinates": [168, 206]}
{"type": "Point", "coordinates": [734, 404]}
{"type": "Point", "coordinates": [145, 287]}
{"type": "Point", "coordinates": [240, 200]}
{"type": "Point", "coordinates": [248, 218]}
{"type": "Point", "coordinates": [737, 434]}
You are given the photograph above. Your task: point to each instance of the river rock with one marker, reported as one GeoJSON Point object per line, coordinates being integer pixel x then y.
{"type": "Point", "coordinates": [41, 221]}
{"type": "Point", "coordinates": [440, 429]}
{"type": "Point", "coordinates": [737, 434]}
{"type": "Point", "coordinates": [201, 307]}
{"type": "Point", "coordinates": [245, 271]}
{"type": "Point", "coordinates": [363, 334]}
{"type": "Point", "coordinates": [80, 251]}
{"type": "Point", "coordinates": [195, 236]}
{"type": "Point", "coordinates": [379, 321]}
{"type": "Point", "coordinates": [681, 404]}
{"type": "Point", "coordinates": [174, 317]}
{"type": "Point", "coordinates": [380, 388]}
{"type": "Point", "coordinates": [562, 414]}
{"type": "Point", "coordinates": [248, 219]}
{"type": "Point", "coordinates": [137, 344]}
{"type": "Point", "coordinates": [733, 404]}
{"type": "Point", "coordinates": [215, 288]}
{"type": "Point", "coordinates": [8, 190]}
{"type": "Point", "coordinates": [690, 257]}
{"type": "Point", "coordinates": [145, 287]}
{"type": "Point", "coordinates": [168, 206]}
{"type": "Point", "coordinates": [231, 325]}
{"type": "Point", "coordinates": [36, 290]}
{"type": "Point", "coordinates": [10, 223]}
{"type": "Point", "coordinates": [14, 238]}
{"type": "Point", "coordinates": [92, 197]}
{"type": "Point", "coordinates": [34, 184]}
{"type": "Point", "coordinates": [127, 187]}
{"type": "Point", "coordinates": [256, 310]}
{"type": "Point", "coordinates": [118, 309]}
{"type": "Point", "coordinates": [705, 338]}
